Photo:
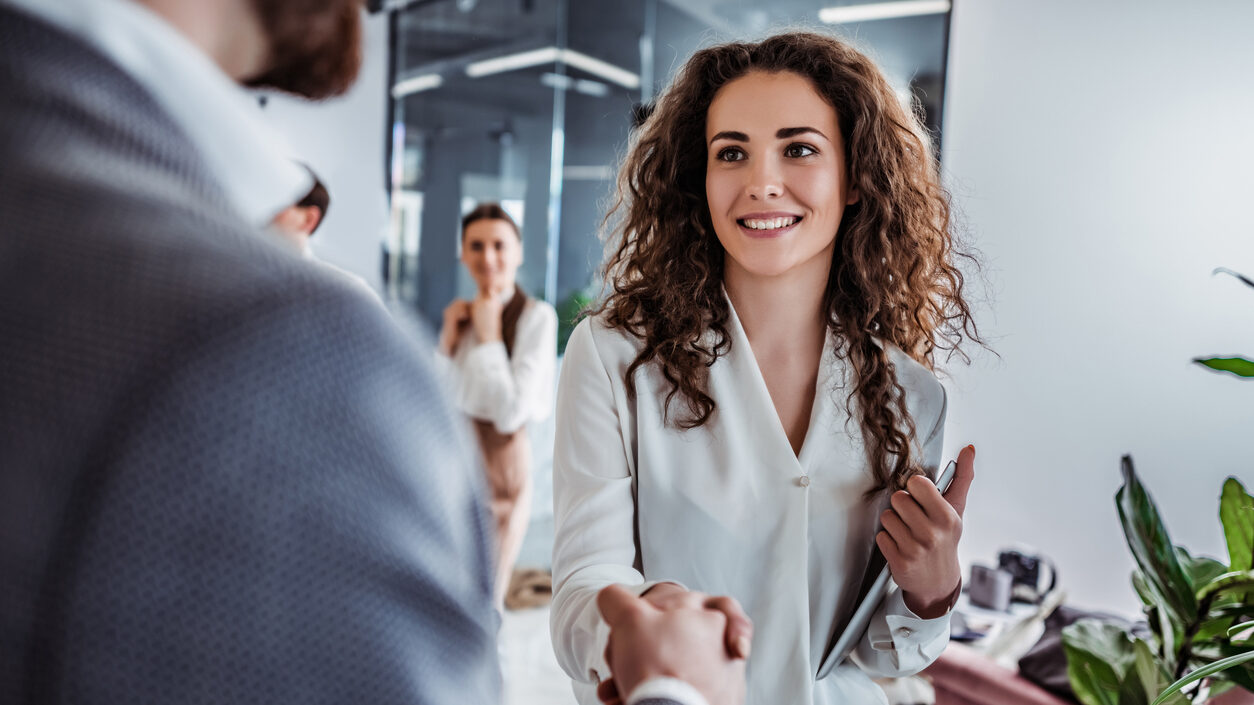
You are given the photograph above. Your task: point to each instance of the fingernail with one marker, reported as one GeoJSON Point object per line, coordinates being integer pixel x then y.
{"type": "Point", "coordinates": [742, 646]}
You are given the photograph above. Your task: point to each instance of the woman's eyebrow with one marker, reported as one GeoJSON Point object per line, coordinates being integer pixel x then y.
{"type": "Point", "coordinates": [786, 132]}
{"type": "Point", "coordinates": [782, 133]}
{"type": "Point", "coordinates": [730, 135]}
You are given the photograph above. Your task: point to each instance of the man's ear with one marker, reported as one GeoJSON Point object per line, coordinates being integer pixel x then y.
{"type": "Point", "coordinates": [313, 216]}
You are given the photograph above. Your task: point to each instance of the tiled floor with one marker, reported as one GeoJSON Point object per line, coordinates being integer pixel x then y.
{"type": "Point", "coordinates": [532, 676]}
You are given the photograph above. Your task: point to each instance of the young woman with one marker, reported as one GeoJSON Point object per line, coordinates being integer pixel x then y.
{"type": "Point", "coordinates": [746, 412]}
{"type": "Point", "coordinates": [503, 348]}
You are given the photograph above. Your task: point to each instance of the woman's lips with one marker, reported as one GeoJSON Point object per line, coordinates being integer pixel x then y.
{"type": "Point", "coordinates": [768, 232]}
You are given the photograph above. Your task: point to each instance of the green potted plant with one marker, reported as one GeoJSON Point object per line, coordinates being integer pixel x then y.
{"type": "Point", "coordinates": [1238, 366]}
{"type": "Point", "coordinates": [1200, 612]}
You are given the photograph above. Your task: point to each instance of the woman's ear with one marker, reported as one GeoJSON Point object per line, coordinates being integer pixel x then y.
{"type": "Point", "coordinates": [853, 196]}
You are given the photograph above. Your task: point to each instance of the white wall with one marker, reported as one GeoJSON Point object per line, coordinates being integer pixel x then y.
{"type": "Point", "coordinates": [344, 140]}
{"type": "Point", "coordinates": [1103, 156]}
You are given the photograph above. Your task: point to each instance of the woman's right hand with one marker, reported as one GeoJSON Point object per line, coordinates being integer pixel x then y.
{"type": "Point", "coordinates": [739, 634]}
{"type": "Point", "coordinates": [456, 316]}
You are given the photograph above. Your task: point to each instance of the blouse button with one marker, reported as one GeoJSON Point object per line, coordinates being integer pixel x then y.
{"type": "Point", "coordinates": [805, 481]}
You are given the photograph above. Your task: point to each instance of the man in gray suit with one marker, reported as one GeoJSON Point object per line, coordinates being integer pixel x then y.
{"type": "Point", "coordinates": [224, 475]}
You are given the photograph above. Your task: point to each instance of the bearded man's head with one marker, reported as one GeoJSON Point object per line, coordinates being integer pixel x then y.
{"type": "Point", "coordinates": [315, 46]}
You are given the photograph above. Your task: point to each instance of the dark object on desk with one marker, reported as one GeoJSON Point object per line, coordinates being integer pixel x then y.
{"type": "Point", "coordinates": [1028, 570]}
{"type": "Point", "coordinates": [964, 676]}
{"type": "Point", "coordinates": [1046, 663]}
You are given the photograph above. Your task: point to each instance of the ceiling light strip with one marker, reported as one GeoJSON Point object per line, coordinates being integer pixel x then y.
{"type": "Point", "coordinates": [570, 57]}
{"type": "Point", "coordinates": [883, 11]}
{"type": "Point", "coordinates": [604, 69]}
{"type": "Point", "coordinates": [417, 84]}
{"type": "Point", "coordinates": [512, 62]}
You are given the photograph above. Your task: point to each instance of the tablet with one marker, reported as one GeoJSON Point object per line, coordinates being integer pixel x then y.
{"type": "Point", "coordinates": [874, 588]}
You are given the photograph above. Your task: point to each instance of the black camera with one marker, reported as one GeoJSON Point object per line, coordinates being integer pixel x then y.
{"type": "Point", "coordinates": [1028, 569]}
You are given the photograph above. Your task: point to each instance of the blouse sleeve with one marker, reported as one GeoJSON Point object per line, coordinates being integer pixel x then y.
{"type": "Point", "coordinates": [898, 642]}
{"type": "Point", "coordinates": [510, 391]}
{"type": "Point", "coordinates": [594, 509]}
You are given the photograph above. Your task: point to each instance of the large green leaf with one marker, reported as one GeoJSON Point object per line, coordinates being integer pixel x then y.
{"type": "Point", "coordinates": [1234, 582]}
{"type": "Point", "coordinates": [1200, 570]}
{"type": "Point", "coordinates": [1098, 657]}
{"type": "Point", "coordinates": [1157, 615]}
{"type": "Point", "coordinates": [1238, 366]}
{"type": "Point", "coordinates": [1152, 547]}
{"type": "Point", "coordinates": [1143, 590]}
{"type": "Point", "coordinates": [1239, 611]}
{"type": "Point", "coordinates": [1236, 513]}
{"type": "Point", "coordinates": [1150, 677]}
{"type": "Point", "coordinates": [1212, 628]}
{"type": "Point", "coordinates": [1132, 691]}
{"type": "Point", "coordinates": [1243, 674]}
{"type": "Point", "coordinates": [1203, 672]}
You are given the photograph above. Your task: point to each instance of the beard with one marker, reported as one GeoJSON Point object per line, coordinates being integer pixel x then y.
{"type": "Point", "coordinates": [315, 46]}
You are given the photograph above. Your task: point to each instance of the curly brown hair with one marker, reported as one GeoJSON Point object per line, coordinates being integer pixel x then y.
{"type": "Point", "coordinates": [892, 275]}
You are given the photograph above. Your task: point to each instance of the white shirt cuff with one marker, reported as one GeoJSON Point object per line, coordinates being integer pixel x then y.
{"type": "Point", "coordinates": [668, 689]}
{"type": "Point", "coordinates": [906, 629]}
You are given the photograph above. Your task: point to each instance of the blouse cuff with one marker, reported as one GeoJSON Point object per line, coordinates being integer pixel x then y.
{"type": "Point", "coordinates": [907, 633]}
{"type": "Point", "coordinates": [667, 689]}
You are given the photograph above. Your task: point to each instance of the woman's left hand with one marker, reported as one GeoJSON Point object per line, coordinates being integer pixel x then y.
{"type": "Point", "coordinates": [920, 538]}
{"type": "Point", "coordinates": [485, 316]}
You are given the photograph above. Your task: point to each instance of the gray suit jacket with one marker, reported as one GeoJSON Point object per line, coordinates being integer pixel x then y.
{"type": "Point", "coordinates": [225, 477]}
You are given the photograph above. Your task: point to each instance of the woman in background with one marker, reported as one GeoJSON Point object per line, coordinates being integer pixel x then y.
{"type": "Point", "coordinates": [749, 410]}
{"type": "Point", "coordinates": [503, 347]}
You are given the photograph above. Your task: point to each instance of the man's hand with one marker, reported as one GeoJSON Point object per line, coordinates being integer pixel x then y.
{"type": "Point", "coordinates": [686, 641]}
{"type": "Point", "coordinates": [739, 635]}
{"type": "Point", "coordinates": [920, 538]}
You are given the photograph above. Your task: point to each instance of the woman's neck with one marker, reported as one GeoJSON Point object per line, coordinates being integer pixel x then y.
{"type": "Point", "coordinates": [787, 308]}
{"type": "Point", "coordinates": [503, 294]}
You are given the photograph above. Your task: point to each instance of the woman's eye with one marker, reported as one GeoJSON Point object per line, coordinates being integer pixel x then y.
{"type": "Point", "coordinates": [796, 151]}
{"type": "Point", "coordinates": [476, 247]}
{"type": "Point", "coordinates": [730, 154]}
{"type": "Point", "coordinates": [499, 246]}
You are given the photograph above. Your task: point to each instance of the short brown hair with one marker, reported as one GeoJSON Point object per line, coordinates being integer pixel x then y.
{"type": "Point", "coordinates": [489, 211]}
{"type": "Point", "coordinates": [318, 197]}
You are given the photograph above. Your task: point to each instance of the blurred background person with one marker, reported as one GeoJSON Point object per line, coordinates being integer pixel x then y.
{"type": "Point", "coordinates": [502, 346]}
{"type": "Point", "coordinates": [298, 222]}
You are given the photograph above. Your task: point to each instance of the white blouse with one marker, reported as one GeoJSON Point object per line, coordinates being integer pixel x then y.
{"type": "Point", "coordinates": [510, 391]}
{"type": "Point", "coordinates": [729, 509]}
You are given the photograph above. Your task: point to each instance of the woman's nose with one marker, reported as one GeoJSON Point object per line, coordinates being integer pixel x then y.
{"type": "Point", "coordinates": [765, 181]}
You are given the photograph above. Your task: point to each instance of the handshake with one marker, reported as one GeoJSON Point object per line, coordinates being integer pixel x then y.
{"type": "Point", "coordinates": [670, 632]}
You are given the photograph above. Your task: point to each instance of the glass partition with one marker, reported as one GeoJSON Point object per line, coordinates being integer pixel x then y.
{"type": "Point", "coordinates": [530, 102]}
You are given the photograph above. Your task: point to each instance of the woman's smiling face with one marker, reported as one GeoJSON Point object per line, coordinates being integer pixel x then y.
{"type": "Point", "coordinates": [775, 177]}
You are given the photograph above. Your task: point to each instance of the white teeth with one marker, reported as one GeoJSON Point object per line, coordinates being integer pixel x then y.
{"type": "Point", "coordinates": [770, 223]}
